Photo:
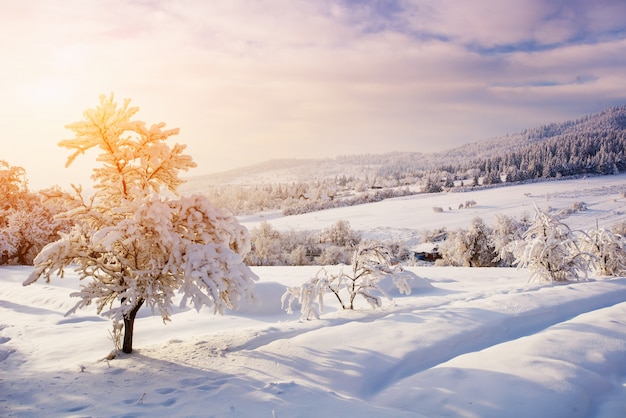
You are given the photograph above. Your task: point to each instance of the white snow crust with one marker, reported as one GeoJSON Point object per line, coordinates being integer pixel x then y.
{"type": "Point", "coordinates": [467, 342]}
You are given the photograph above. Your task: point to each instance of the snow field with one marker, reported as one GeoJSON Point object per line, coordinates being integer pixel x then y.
{"type": "Point", "coordinates": [487, 344]}
{"type": "Point", "coordinates": [404, 218]}
{"type": "Point", "coordinates": [467, 342]}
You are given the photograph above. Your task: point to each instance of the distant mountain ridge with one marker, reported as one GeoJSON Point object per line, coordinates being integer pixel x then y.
{"type": "Point", "coordinates": [612, 119]}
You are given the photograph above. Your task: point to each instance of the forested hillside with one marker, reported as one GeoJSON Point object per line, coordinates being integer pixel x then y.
{"type": "Point", "coordinates": [593, 144]}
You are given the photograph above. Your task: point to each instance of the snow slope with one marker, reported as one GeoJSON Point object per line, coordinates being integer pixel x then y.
{"type": "Point", "coordinates": [465, 343]}
{"type": "Point", "coordinates": [406, 217]}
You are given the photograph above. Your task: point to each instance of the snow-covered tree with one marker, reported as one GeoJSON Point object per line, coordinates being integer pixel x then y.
{"type": "Point", "coordinates": [340, 234]}
{"type": "Point", "coordinates": [266, 248]}
{"type": "Point", "coordinates": [550, 251]}
{"type": "Point", "coordinates": [29, 228]}
{"type": "Point", "coordinates": [432, 185]}
{"type": "Point", "coordinates": [506, 229]}
{"type": "Point", "coordinates": [371, 262]}
{"type": "Point", "coordinates": [12, 183]}
{"type": "Point", "coordinates": [13, 189]}
{"type": "Point", "coordinates": [27, 223]}
{"type": "Point", "coordinates": [298, 256]}
{"type": "Point", "coordinates": [469, 248]}
{"type": "Point", "coordinates": [133, 241]}
{"type": "Point", "coordinates": [333, 254]}
{"type": "Point", "coordinates": [608, 249]}
{"type": "Point", "coordinates": [310, 295]}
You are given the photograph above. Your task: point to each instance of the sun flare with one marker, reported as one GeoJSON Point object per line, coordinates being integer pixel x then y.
{"type": "Point", "coordinates": [45, 92]}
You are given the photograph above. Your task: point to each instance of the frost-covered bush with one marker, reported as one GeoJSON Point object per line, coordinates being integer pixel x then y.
{"type": "Point", "coordinates": [310, 295]}
{"type": "Point", "coordinates": [575, 208]}
{"type": "Point", "coordinates": [333, 255]}
{"type": "Point", "coordinates": [468, 247]}
{"type": "Point", "coordinates": [298, 256]}
{"type": "Point", "coordinates": [371, 262]}
{"type": "Point", "coordinates": [266, 249]}
{"type": "Point", "coordinates": [340, 234]}
{"type": "Point", "coordinates": [619, 228]}
{"type": "Point", "coordinates": [549, 249]}
{"type": "Point", "coordinates": [435, 235]}
{"type": "Point", "coordinates": [608, 249]}
{"type": "Point", "coordinates": [506, 229]}
{"type": "Point", "coordinates": [271, 247]}
{"type": "Point", "coordinates": [333, 245]}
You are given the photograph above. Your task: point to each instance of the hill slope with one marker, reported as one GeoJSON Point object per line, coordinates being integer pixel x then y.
{"type": "Point", "coordinates": [367, 165]}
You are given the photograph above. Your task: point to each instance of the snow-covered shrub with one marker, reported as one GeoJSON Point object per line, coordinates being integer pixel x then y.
{"type": "Point", "coordinates": [467, 204]}
{"type": "Point", "coordinates": [453, 249]}
{"type": "Point", "coordinates": [132, 240]}
{"type": "Point", "coordinates": [435, 235]}
{"type": "Point", "coordinates": [575, 208]}
{"type": "Point", "coordinates": [310, 295]}
{"type": "Point", "coordinates": [333, 254]}
{"type": "Point", "coordinates": [298, 256]}
{"type": "Point", "coordinates": [619, 228]}
{"type": "Point", "coordinates": [608, 249]}
{"type": "Point", "coordinates": [550, 251]}
{"type": "Point", "coordinates": [398, 250]}
{"type": "Point", "coordinates": [333, 245]}
{"type": "Point", "coordinates": [371, 262]}
{"type": "Point", "coordinates": [468, 248]}
{"type": "Point", "coordinates": [266, 247]}
{"type": "Point", "coordinates": [340, 234]}
{"type": "Point", "coordinates": [432, 185]}
{"type": "Point", "coordinates": [506, 229]}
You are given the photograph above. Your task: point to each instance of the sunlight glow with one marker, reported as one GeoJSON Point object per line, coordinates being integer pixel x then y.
{"type": "Point", "coordinates": [247, 84]}
{"type": "Point", "coordinates": [45, 92]}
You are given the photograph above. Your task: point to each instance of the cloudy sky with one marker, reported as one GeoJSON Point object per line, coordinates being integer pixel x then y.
{"type": "Point", "coordinates": [251, 80]}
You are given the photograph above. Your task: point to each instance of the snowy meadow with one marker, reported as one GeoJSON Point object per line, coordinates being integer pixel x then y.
{"type": "Point", "coordinates": [467, 342]}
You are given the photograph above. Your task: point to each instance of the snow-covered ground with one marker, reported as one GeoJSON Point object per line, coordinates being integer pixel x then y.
{"type": "Point", "coordinates": [406, 217]}
{"type": "Point", "coordinates": [465, 343]}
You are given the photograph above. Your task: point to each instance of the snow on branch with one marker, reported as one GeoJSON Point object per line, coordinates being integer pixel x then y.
{"type": "Point", "coordinates": [550, 250]}
{"type": "Point", "coordinates": [132, 243]}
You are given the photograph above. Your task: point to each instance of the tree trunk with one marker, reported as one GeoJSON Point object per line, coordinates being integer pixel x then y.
{"type": "Point", "coordinates": [129, 323]}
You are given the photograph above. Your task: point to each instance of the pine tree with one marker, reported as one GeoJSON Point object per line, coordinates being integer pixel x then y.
{"type": "Point", "coordinates": [132, 241]}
